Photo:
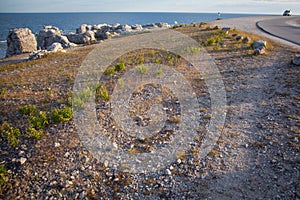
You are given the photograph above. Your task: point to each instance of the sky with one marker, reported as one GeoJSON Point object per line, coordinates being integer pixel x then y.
{"type": "Point", "coordinates": [197, 6]}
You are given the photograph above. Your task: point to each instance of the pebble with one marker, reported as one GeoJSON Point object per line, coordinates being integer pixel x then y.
{"type": "Point", "coordinates": [56, 144]}
{"type": "Point", "coordinates": [23, 160]}
{"type": "Point", "coordinates": [67, 154]}
{"type": "Point", "coordinates": [21, 153]}
{"type": "Point", "coordinates": [168, 172]}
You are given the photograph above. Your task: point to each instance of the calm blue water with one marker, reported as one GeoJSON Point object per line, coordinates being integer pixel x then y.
{"type": "Point", "coordinates": [70, 21]}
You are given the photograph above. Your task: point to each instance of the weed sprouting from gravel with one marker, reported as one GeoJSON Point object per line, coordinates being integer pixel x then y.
{"type": "Point", "coordinates": [12, 134]}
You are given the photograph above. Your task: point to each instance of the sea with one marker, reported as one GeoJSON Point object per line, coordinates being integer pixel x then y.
{"type": "Point", "coordinates": [68, 22]}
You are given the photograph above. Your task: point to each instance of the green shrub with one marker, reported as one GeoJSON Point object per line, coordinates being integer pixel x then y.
{"type": "Point", "coordinates": [35, 134]}
{"type": "Point", "coordinates": [39, 120]}
{"type": "Point", "coordinates": [109, 71]}
{"type": "Point", "coordinates": [3, 93]}
{"type": "Point", "coordinates": [28, 110]}
{"type": "Point", "coordinates": [120, 66]}
{"type": "Point", "coordinates": [102, 91]}
{"type": "Point", "coordinates": [3, 173]}
{"type": "Point", "coordinates": [12, 134]}
{"type": "Point", "coordinates": [61, 115]}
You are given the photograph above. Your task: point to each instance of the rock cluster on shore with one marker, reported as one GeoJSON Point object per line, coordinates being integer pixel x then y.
{"type": "Point", "coordinates": [20, 41]}
{"type": "Point", "coordinates": [23, 41]}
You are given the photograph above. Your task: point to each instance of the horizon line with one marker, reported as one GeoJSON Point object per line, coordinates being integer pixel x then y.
{"type": "Point", "coordinates": [188, 12]}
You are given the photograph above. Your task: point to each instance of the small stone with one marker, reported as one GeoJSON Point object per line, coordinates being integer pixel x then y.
{"type": "Point", "coordinates": [178, 161]}
{"type": "Point", "coordinates": [239, 37]}
{"type": "Point", "coordinates": [247, 39]}
{"type": "Point", "coordinates": [68, 184]}
{"type": "Point", "coordinates": [67, 154]}
{"type": "Point", "coordinates": [225, 29]}
{"type": "Point", "coordinates": [56, 144]}
{"type": "Point", "coordinates": [168, 172]}
{"type": "Point", "coordinates": [105, 163]}
{"type": "Point", "coordinates": [21, 153]}
{"type": "Point", "coordinates": [82, 195]}
{"type": "Point", "coordinates": [138, 118]}
{"type": "Point", "coordinates": [23, 160]}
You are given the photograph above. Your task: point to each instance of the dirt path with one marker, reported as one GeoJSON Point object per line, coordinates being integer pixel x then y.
{"type": "Point", "coordinates": [248, 24]}
{"type": "Point", "coordinates": [257, 155]}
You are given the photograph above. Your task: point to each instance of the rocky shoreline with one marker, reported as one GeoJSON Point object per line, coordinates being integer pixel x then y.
{"type": "Point", "coordinates": [256, 157]}
{"type": "Point", "coordinates": [51, 38]}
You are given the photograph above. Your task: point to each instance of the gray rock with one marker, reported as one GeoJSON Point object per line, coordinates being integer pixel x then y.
{"type": "Point", "coordinates": [296, 60]}
{"type": "Point", "coordinates": [115, 26]}
{"type": "Point", "coordinates": [75, 38]}
{"type": "Point", "coordinates": [89, 28]}
{"type": "Point", "coordinates": [247, 39]}
{"type": "Point", "coordinates": [99, 26]}
{"type": "Point", "coordinates": [259, 51]}
{"type": "Point", "coordinates": [126, 28]}
{"type": "Point", "coordinates": [37, 54]}
{"type": "Point", "coordinates": [82, 29]}
{"type": "Point", "coordinates": [103, 35]}
{"type": "Point", "coordinates": [162, 25]}
{"type": "Point", "coordinates": [123, 29]}
{"type": "Point", "coordinates": [225, 29]}
{"type": "Point", "coordinates": [23, 160]}
{"type": "Point", "coordinates": [149, 26]}
{"type": "Point", "coordinates": [137, 27]}
{"type": "Point", "coordinates": [89, 37]}
{"type": "Point", "coordinates": [55, 47]}
{"type": "Point", "coordinates": [239, 37]}
{"type": "Point", "coordinates": [20, 41]}
{"type": "Point", "coordinates": [50, 35]}
{"type": "Point", "coordinates": [259, 44]}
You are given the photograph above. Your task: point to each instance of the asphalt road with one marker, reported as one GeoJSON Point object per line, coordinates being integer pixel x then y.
{"type": "Point", "coordinates": [284, 30]}
{"type": "Point", "coordinates": [287, 28]}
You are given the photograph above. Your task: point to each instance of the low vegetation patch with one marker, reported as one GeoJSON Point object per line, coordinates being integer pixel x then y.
{"type": "Point", "coordinates": [3, 173]}
{"type": "Point", "coordinates": [102, 92]}
{"type": "Point", "coordinates": [120, 66]}
{"type": "Point", "coordinates": [61, 114]}
{"type": "Point", "coordinates": [35, 134]}
{"type": "Point", "coordinates": [12, 134]}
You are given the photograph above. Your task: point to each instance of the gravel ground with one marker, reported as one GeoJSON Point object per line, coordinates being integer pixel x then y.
{"type": "Point", "coordinates": [256, 157]}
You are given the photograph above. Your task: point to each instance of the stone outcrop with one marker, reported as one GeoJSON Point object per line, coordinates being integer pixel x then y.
{"type": "Point", "coordinates": [75, 38]}
{"type": "Point", "coordinates": [89, 37]}
{"type": "Point", "coordinates": [55, 47]}
{"type": "Point", "coordinates": [84, 38]}
{"type": "Point", "coordinates": [259, 47]}
{"type": "Point", "coordinates": [84, 28]}
{"type": "Point", "coordinates": [259, 44]}
{"type": "Point", "coordinates": [51, 39]}
{"type": "Point", "coordinates": [149, 26]}
{"type": "Point", "coordinates": [20, 41]}
{"type": "Point", "coordinates": [50, 35]}
{"type": "Point", "coordinates": [37, 54]}
{"type": "Point", "coordinates": [137, 27]}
